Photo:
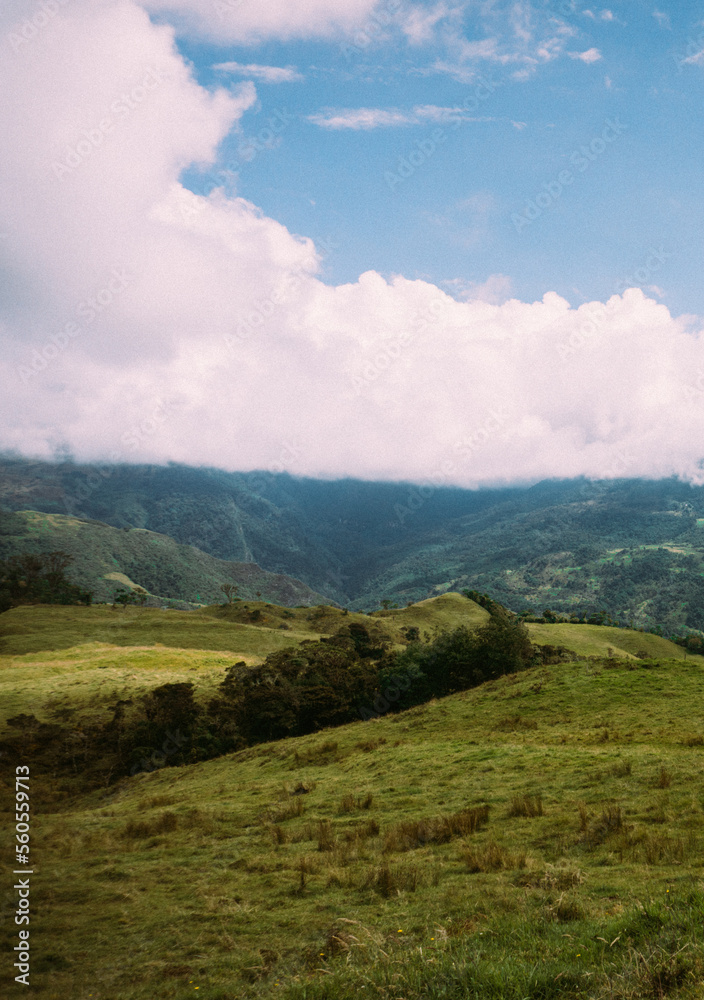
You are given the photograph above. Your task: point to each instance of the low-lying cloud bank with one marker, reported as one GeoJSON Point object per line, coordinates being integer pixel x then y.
{"type": "Point", "coordinates": [142, 322]}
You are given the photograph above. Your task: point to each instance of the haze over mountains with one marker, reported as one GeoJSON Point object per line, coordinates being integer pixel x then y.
{"type": "Point", "coordinates": [634, 548]}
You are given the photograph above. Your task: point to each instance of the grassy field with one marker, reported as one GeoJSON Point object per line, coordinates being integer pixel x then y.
{"type": "Point", "coordinates": [81, 683]}
{"type": "Point", "coordinates": [596, 640]}
{"type": "Point", "coordinates": [247, 627]}
{"type": "Point", "coordinates": [321, 866]}
{"type": "Point", "coordinates": [52, 627]}
{"type": "Point", "coordinates": [537, 837]}
{"type": "Point", "coordinates": [56, 658]}
{"type": "Point", "coordinates": [445, 612]}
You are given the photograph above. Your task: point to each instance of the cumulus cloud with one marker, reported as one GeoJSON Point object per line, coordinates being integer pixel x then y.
{"type": "Point", "coordinates": [590, 56]}
{"type": "Point", "coordinates": [142, 322]}
{"type": "Point", "coordinates": [268, 74]}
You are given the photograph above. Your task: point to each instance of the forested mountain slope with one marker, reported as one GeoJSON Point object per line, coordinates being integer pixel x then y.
{"type": "Point", "coordinates": [634, 548]}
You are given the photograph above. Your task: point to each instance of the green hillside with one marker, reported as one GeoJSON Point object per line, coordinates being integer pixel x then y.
{"type": "Point", "coordinates": [633, 548]}
{"type": "Point", "coordinates": [31, 628]}
{"type": "Point", "coordinates": [537, 837]}
{"type": "Point", "coordinates": [597, 640]}
{"type": "Point", "coordinates": [445, 612]}
{"type": "Point", "coordinates": [107, 558]}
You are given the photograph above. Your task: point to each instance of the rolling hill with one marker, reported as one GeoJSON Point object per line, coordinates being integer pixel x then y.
{"type": "Point", "coordinates": [536, 837]}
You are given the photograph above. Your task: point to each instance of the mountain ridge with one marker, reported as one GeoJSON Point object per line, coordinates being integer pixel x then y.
{"type": "Point", "coordinates": [634, 548]}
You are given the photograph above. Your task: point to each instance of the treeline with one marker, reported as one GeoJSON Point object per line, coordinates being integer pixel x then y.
{"type": "Point", "coordinates": [338, 679]}
{"type": "Point", "coordinates": [38, 579]}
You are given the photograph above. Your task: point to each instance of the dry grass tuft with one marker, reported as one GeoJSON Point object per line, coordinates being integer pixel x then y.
{"type": "Point", "coordinates": [349, 803]}
{"type": "Point", "coordinates": [514, 723]}
{"type": "Point", "coordinates": [491, 857]}
{"type": "Point", "coordinates": [166, 823]}
{"type": "Point", "coordinates": [608, 823]}
{"type": "Point", "coordinates": [279, 814]}
{"type": "Point", "coordinates": [326, 836]}
{"type": "Point", "coordinates": [323, 753]}
{"type": "Point", "coordinates": [693, 740]}
{"type": "Point", "coordinates": [526, 805]}
{"type": "Point", "coordinates": [554, 877]}
{"type": "Point", "coordinates": [664, 779]}
{"type": "Point", "coordinates": [435, 830]}
{"type": "Point", "coordinates": [388, 881]}
{"type": "Point", "coordinates": [368, 745]}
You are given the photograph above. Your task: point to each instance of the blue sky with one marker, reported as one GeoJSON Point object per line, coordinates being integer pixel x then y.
{"type": "Point", "coordinates": [456, 242]}
{"type": "Point", "coordinates": [451, 220]}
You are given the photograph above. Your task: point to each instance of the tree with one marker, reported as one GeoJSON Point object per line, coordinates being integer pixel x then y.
{"type": "Point", "coordinates": [229, 590]}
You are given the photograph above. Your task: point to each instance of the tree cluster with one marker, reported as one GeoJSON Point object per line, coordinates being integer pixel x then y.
{"type": "Point", "coordinates": [299, 690]}
{"type": "Point", "coordinates": [38, 579]}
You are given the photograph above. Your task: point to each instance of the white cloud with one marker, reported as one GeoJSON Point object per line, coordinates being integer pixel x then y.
{"type": "Point", "coordinates": [250, 21]}
{"type": "Point", "coordinates": [495, 290]}
{"type": "Point", "coordinates": [268, 74]}
{"type": "Point", "coordinates": [370, 118]}
{"type": "Point", "coordinates": [419, 23]}
{"type": "Point", "coordinates": [695, 60]}
{"type": "Point", "coordinates": [362, 118]}
{"type": "Point", "coordinates": [662, 19]}
{"type": "Point", "coordinates": [590, 56]}
{"type": "Point", "coordinates": [526, 45]}
{"type": "Point", "coordinates": [142, 322]}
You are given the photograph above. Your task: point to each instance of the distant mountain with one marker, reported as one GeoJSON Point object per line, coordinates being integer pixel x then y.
{"type": "Point", "coordinates": [107, 559]}
{"type": "Point", "coordinates": [634, 548]}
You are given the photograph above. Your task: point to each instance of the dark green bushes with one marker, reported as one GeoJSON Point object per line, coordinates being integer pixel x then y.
{"type": "Point", "coordinates": [461, 659]}
{"type": "Point", "coordinates": [38, 579]}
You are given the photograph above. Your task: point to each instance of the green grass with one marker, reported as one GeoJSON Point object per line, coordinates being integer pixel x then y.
{"type": "Point", "coordinates": [220, 876]}
{"type": "Point", "coordinates": [31, 629]}
{"type": "Point", "coordinates": [80, 684]}
{"type": "Point", "coordinates": [436, 613]}
{"type": "Point", "coordinates": [595, 640]}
